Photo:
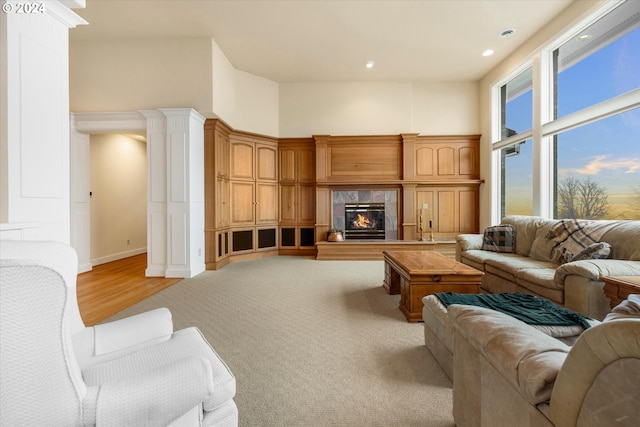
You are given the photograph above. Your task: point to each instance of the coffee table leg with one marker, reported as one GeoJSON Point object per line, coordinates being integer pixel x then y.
{"type": "Point", "coordinates": [391, 280]}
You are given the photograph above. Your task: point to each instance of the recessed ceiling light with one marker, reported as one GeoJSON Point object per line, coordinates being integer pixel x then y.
{"type": "Point", "coordinates": [487, 52]}
{"type": "Point", "coordinates": [584, 37]}
{"type": "Point", "coordinates": [370, 64]}
{"type": "Point", "coordinates": [507, 33]}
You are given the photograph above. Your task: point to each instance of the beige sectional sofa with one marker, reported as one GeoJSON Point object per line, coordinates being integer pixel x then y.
{"type": "Point", "coordinates": [510, 374]}
{"type": "Point", "coordinates": [532, 267]}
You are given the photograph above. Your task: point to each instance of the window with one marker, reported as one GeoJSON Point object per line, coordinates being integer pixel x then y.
{"type": "Point", "coordinates": [597, 64]}
{"type": "Point", "coordinates": [581, 158]}
{"type": "Point", "coordinates": [598, 169]}
{"type": "Point", "coordinates": [517, 179]}
{"type": "Point", "coordinates": [516, 104]}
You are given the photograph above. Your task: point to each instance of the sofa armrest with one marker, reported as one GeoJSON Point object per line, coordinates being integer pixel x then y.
{"type": "Point", "coordinates": [598, 384]}
{"type": "Point", "coordinates": [467, 242]}
{"type": "Point", "coordinates": [527, 359]}
{"type": "Point", "coordinates": [594, 269]}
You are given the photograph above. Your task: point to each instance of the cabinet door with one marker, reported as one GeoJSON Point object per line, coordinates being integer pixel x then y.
{"type": "Point", "coordinates": [222, 154]}
{"type": "Point", "coordinates": [288, 203]}
{"type": "Point", "coordinates": [242, 205]}
{"type": "Point", "coordinates": [306, 203]}
{"type": "Point", "coordinates": [287, 164]}
{"type": "Point", "coordinates": [306, 164]}
{"type": "Point", "coordinates": [266, 203]}
{"type": "Point", "coordinates": [266, 163]}
{"type": "Point", "coordinates": [222, 206]}
{"type": "Point", "coordinates": [242, 157]}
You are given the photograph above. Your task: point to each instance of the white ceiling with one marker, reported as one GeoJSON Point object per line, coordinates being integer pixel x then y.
{"type": "Point", "coordinates": [319, 40]}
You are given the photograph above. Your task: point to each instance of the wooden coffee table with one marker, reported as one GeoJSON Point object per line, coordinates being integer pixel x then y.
{"type": "Point", "coordinates": [416, 274]}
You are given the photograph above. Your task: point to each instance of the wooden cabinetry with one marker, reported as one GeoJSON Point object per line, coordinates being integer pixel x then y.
{"type": "Point", "coordinates": [442, 173]}
{"type": "Point", "coordinates": [241, 194]}
{"type": "Point", "coordinates": [297, 195]}
{"type": "Point", "coordinates": [217, 192]}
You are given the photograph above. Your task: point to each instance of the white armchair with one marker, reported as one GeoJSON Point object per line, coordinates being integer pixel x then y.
{"type": "Point", "coordinates": [136, 371]}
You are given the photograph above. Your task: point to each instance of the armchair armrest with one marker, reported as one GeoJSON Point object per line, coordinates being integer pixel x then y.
{"type": "Point", "coordinates": [109, 340]}
{"type": "Point", "coordinates": [158, 397]}
{"type": "Point", "coordinates": [527, 359]}
{"type": "Point", "coordinates": [133, 330]}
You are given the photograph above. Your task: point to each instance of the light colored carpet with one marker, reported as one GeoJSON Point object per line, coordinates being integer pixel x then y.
{"type": "Point", "coordinates": [313, 343]}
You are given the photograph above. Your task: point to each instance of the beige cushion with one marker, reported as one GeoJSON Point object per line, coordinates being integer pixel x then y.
{"type": "Point", "coordinates": [542, 246]}
{"type": "Point", "coordinates": [526, 228]}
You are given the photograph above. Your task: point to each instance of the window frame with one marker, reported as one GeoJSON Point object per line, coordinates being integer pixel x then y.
{"type": "Point", "coordinates": [544, 126]}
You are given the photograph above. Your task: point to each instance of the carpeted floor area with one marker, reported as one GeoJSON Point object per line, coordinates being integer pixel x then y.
{"type": "Point", "coordinates": [312, 343]}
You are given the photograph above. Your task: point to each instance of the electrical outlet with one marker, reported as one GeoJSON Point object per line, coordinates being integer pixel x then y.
{"type": "Point", "coordinates": [425, 206]}
{"type": "Point", "coordinates": [128, 242]}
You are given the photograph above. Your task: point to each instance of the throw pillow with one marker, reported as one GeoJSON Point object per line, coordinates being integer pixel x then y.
{"type": "Point", "coordinates": [499, 238]}
{"type": "Point", "coordinates": [577, 239]}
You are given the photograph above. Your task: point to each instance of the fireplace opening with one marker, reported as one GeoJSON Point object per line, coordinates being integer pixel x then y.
{"type": "Point", "coordinates": [364, 221]}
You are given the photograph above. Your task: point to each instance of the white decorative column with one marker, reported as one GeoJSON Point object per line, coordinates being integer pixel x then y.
{"type": "Point", "coordinates": [185, 192]}
{"type": "Point", "coordinates": [156, 193]}
{"type": "Point", "coordinates": [34, 117]}
{"type": "Point", "coordinates": [80, 196]}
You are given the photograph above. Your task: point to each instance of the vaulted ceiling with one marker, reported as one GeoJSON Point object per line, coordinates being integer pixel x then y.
{"type": "Point", "coordinates": [319, 40]}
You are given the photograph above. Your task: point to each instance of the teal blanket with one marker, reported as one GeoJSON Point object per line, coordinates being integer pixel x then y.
{"type": "Point", "coordinates": [527, 308]}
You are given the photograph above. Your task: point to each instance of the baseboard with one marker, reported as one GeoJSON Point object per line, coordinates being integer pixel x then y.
{"type": "Point", "coordinates": [115, 257]}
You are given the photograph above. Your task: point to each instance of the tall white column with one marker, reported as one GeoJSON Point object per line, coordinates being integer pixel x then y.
{"type": "Point", "coordinates": [156, 193]}
{"type": "Point", "coordinates": [185, 192]}
{"type": "Point", "coordinates": [80, 196]}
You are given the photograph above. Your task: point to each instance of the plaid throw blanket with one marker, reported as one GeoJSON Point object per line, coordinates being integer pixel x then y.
{"type": "Point", "coordinates": [572, 236]}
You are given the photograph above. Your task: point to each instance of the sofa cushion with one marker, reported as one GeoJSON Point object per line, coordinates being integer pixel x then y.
{"type": "Point", "coordinates": [544, 277]}
{"type": "Point", "coordinates": [526, 228]}
{"type": "Point", "coordinates": [499, 238]}
{"type": "Point", "coordinates": [542, 245]}
{"type": "Point", "coordinates": [509, 267]}
{"type": "Point", "coordinates": [478, 258]}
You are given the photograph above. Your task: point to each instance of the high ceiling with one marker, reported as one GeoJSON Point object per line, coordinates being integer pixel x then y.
{"type": "Point", "coordinates": [318, 40]}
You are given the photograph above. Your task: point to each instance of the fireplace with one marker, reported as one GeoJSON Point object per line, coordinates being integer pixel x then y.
{"type": "Point", "coordinates": [364, 221]}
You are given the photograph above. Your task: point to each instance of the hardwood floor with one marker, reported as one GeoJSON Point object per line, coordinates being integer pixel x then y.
{"type": "Point", "coordinates": [114, 286]}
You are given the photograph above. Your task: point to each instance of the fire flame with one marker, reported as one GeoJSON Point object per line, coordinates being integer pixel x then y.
{"type": "Point", "coordinates": [363, 222]}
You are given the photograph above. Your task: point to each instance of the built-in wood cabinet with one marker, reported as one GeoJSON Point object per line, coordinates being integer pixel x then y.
{"type": "Point", "coordinates": [241, 194]}
{"type": "Point", "coordinates": [266, 196]}
{"type": "Point", "coordinates": [297, 195]}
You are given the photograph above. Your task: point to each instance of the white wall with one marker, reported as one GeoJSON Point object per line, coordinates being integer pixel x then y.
{"type": "Point", "coordinates": [374, 108]}
{"type": "Point", "coordinates": [135, 74]}
{"type": "Point", "coordinates": [119, 201]}
{"type": "Point", "coordinates": [129, 75]}
{"type": "Point", "coordinates": [358, 108]}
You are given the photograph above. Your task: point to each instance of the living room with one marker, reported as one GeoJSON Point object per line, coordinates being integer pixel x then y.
{"type": "Point", "coordinates": [161, 82]}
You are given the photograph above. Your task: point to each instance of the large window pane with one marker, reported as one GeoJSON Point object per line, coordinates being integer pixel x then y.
{"type": "Point", "coordinates": [517, 179]}
{"type": "Point", "coordinates": [601, 62]}
{"type": "Point", "coordinates": [517, 104]}
{"type": "Point", "coordinates": [598, 169]}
